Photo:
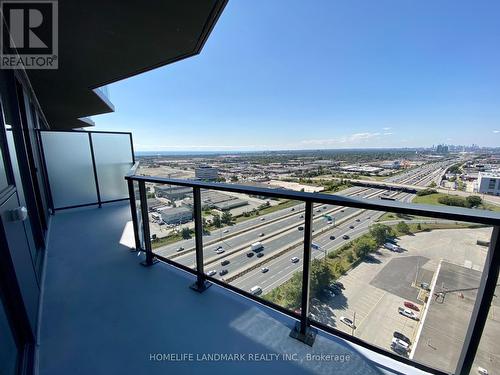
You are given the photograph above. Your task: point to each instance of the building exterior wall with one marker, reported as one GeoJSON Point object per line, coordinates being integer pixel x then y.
{"type": "Point", "coordinates": [206, 173]}
{"type": "Point", "coordinates": [489, 183]}
{"type": "Point", "coordinates": [176, 215]}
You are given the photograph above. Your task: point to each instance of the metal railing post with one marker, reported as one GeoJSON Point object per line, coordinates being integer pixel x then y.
{"type": "Point", "coordinates": [201, 283]}
{"type": "Point", "coordinates": [302, 330]}
{"type": "Point", "coordinates": [133, 211]}
{"type": "Point", "coordinates": [94, 167]}
{"type": "Point", "coordinates": [485, 293]}
{"type": "Point", "coordinates": [150, 259]}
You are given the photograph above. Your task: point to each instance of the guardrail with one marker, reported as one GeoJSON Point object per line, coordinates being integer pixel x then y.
{"type": "Point", "coordinates": [305, 329]}
{"type": "Point", "coordinates": [85, 168]}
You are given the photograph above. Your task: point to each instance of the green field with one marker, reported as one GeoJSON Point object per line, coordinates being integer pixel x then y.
{"type": "Point", "coordinates": [433, 199]}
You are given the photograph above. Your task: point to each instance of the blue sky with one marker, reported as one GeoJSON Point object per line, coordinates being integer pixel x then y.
{"type": "Point", "coordinates": [325, 74]}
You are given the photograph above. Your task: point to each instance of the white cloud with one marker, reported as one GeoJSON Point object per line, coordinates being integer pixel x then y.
{"type": "Point", "coordinates": [348, 140]}
{"type": "Point", "coordinates": [496, 131]}
{"type": "Point", "coordinates": [388, 133]}
{"type": "Point", "coordinates": [386, 129]}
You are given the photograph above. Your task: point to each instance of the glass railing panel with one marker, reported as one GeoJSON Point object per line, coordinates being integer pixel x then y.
{"type": "Point", "coordinates": [404, 283]}
{"type": "Point", "coordinates": [113, 158]}
{"type": "Point", "coordinates": [171, 222]}
{"type": "Point", "coordinates": [69, 167]}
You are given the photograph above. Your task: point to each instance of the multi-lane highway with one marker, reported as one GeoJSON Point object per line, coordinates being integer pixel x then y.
{"type": "Point", "coordinates": [281, 235]}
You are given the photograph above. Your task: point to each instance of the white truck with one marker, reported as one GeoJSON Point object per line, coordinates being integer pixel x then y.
{"type": "Point", "coordinates": [256, 246]}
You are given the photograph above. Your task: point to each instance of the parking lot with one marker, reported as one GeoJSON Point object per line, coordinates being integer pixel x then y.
{"type": "Point", "coordinates": [376, 288]}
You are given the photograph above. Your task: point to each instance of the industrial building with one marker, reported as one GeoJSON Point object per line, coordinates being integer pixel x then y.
{"type": "Point", "coordinates": [172, 193]}
{"type": "Point", "coordinates": [206, 172]}
{"type": "Point", "coordinates": [489, 182]}
{"type": "Point", "coordinates": [176, 215]}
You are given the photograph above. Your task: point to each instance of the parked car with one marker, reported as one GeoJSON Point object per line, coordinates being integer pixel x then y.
{"type": "Point", "coordinates": [264, 269]}
{"type": "Point", "coordinates": [329, 293]}
{"type": "Point", "coordinates": [250, 255]}
{"type": "Point", "coordinates": [260, 255]}
{"type": "Point", "coordinates": [211, 273]}
{"type": "Point", "coordinates": [335, 289]}
{"type": "Point", "coordinates": [223, 272]}
{"type": "Point", "coordinates": [347, 322]}
{"type": "Point", "coordinates": [401, 337]}
{"type": "Point", "coordinates": [294, 260]}
{"type": "Point", "coordinates": [345, 237]}
{"type": "Point", "coordinates": [411, 305]}
{"type": "Point", "coordinates": [425, 286]}
{"type": "Point", "coordinates": [225, 262]}
{"type": "Point", "coordinates": [408, 313]}
{"type": "Point", "coordinates": [339, 284]}
{"type": "Point", "coordinates": [399, 346]}
{"type": "Point", "coordinates": [332, 237]}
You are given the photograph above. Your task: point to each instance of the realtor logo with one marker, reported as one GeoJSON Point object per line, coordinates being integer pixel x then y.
{"type": "Point", "coordinates": [29, 35]}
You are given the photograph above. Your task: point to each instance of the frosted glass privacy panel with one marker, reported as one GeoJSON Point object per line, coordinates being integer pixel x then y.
{"type": "Point", "coordinates": [69, 166]}
{"type": "Point", "coordinates": [113, 159]}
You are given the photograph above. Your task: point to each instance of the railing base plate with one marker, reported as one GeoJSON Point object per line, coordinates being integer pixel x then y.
{"type": "Point", "coordinates": [200, 289]}
{"type": "Point", "coordinates": [307, 338]}
{"type": "Point", "coordinates": [145, 263]}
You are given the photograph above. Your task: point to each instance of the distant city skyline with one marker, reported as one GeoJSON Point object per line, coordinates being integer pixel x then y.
{"type": "Point", "coordinates": [287, 75]}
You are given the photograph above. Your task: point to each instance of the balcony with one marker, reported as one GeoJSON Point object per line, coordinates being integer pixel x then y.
{"type": "Point", "coordinates": [103, 310]}
{"type": "Point", "coordinates": [104, 313]}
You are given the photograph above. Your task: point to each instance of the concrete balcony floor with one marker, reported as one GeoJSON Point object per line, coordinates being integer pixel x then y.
{"type": "Point", "coordinates": [102, 313]}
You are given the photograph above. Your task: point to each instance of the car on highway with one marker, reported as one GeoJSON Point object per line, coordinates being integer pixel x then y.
{"type": "Point", "coordinates": [256, 290]}
{"type": "Point", "coordinates": [250, 255]}
{"type": "Point", "coordinates": [264, 269]}
{"type": "Point", "coordinates": [293, 209]}
{"type": "Point", "coordinates": [225, 231]}
{"type": "Point", "coordinates": [345, 237]}
{"type": "Point", "coordinates": [332, 237]}
{"type": "Point", "coordinates": [351, 226]}
{"type": "Point", "coordinates": [358, 220]}
{"type": "Point", "coordinates": [294, 260]}
{"type": "Point", "coordinates": [347, 322]}
{"type": "Point", "coordinates": [342, 210]}
{"type": "Point", "coordinates": [223, 272]}
{"type": "Point", "coordinates": [300, 228]}
{"type": "Point", "coordinates": [318, 210]}
{"type": "Point", "coordinates": [411, 305]}
{"type": "Point", "coordinates": [408, 313]}
{"type": "Point", "coordinates": [262, 218]}
{"type": "Point", "coordinates": [260, 255]}
{"type": "Point", "coordinates": [401, 337]}
{"type": "Point", "coordinates": [301, 216]}
{"type": "Point", "coordinates": [180, 249]}
{"type": "Point", "coordinates": [219, 251]}
{"type": "Point", "coordinates": [211, 273]}
{"type": "Point", "coordinates": [225, 262]}
{"type": "Point", "coordinates": [262, 234]}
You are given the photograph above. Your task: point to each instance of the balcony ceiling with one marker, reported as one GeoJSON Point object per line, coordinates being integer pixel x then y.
{"type": "Point", "coordinates": [101, 42]}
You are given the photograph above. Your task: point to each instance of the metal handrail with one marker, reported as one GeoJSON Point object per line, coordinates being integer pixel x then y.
{"type": "Point", "coordinates": [440, 212]}
{"type": "Point", "coordinates": [304, 330]}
